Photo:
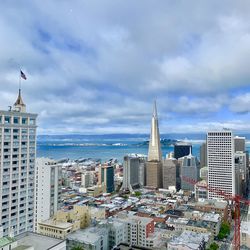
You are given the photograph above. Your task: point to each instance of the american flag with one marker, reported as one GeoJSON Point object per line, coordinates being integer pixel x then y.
{"type": "Point", "coordinates": [23, 75]}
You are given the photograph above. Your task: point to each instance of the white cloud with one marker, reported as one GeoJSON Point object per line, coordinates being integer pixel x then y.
{"type": "Point", "coordinates": [97, 66]}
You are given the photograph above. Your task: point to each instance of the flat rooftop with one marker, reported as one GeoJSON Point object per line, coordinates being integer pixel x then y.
{"type": "Point", "coordinates": [5, 241]}
{"type": "Point", "coordinates": [88, 235]}
{"type": "Point", "coordinates": [58, 224]}
{"type": "Point", "coordinates": [38, 241]}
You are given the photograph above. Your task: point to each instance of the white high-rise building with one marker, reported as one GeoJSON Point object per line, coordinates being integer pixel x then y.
{"type": "Point", "coordinates": [48, 190]}
{"type": "Point", "coordinates": [17, 167]}
{"type": "Point", "coordinates": [220, 161]}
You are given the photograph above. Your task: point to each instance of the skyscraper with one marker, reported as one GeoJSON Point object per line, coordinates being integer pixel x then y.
{"type": "Point", "coordinates": [169, 173]}
{"type": "Point", "coordinates": [181, 149]}
{"type": "Point", "coordinates": [221, 162]}
{"type": "Point", "coordinates": [203, 154]}
{"type": "Point", "coordinates": [48, 190]}
{"type": "Point", "coordinates": [106, 177]}
{"type": "Point", "coordinates": [154, 163]}
{"type": "Point", "coordinates": [190, 168]}
{"type": "Point", "coordinates": [131, 171]}
{"type": "Point", "coordinates": [239, 143]}
{"type": "Point", "coordinates": [17, 166]}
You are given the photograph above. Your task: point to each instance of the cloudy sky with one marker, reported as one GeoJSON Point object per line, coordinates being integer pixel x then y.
{"type": "Point", "coordinates": [96, 66]}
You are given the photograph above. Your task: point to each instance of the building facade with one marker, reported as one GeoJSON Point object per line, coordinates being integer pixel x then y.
{"type": "Point", "coordinates": [48, 190]}
{"type": "Point", "coordinates": [221, 163]}
{"type": "Point", "coordinates": [17, 168]}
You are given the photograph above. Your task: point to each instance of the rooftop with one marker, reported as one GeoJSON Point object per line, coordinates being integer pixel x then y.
{"type": "Point", "coordinates": [39, 242]}
{"type": "Point", "coordinates": [89, 235]}
{"type": "Point", "coordinates": [5, 241]}
{"type": "Point", "coordinates": [190, 239]}
{"type": "Point", "coordinates": [57, 224]}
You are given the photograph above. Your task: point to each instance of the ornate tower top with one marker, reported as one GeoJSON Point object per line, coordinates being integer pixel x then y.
{"type": "Point", "coordinates": [19, 104]}
{"type": "Point", "coordinates": [154, 150]}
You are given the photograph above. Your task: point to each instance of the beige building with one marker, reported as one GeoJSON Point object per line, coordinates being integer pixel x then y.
{"type": "Point", "coordinates": [65, 222]}
{"type": "Point", "coordinates": [97, 190]}
{"type": "Point", "coordinates": [154, 174]}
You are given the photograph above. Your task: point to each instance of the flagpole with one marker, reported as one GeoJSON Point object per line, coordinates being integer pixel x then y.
{"type": "Point", "coordinates": [20, 81]}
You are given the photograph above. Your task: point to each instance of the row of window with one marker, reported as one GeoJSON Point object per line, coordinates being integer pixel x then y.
{"type": "Point", "coordinates": [17, 120]}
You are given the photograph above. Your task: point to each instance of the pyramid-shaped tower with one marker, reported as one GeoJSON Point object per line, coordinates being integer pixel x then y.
{"type": "Point", "coordinates": [154, 162]}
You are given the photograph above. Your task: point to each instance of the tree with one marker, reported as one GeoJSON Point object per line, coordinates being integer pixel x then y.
{"type": "Point", "coordinates": [224, 230]}
{"type": "Point", "coordinates": [137, 193]}
{"type": "Point", "coordinates": [77, 248]}
{"type": "Point", "coordinates": [213, 246]}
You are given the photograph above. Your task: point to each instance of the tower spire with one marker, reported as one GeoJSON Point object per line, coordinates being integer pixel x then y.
{"type": "Point", "coordinates": [155, 110]}
{"type": "Point", "coordinates": [154, 151]}
{"type": "Point", "coordinates": [19, 104]}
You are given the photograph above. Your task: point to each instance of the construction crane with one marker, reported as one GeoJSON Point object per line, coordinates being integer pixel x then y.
{"type": "Point", "coordinates": [236, 200]}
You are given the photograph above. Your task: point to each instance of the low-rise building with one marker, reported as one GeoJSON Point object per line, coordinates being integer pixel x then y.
{"type": "Point", "coordinates": [245, 234]}
{"type": "Point", "coordinates": [65, 222]}
{"type": "Point", "coordinates": [89, 238]}
{"type": "Point", "coordinates": [31, 241]}
{"type": "Point", "coordinates": [189, 241]}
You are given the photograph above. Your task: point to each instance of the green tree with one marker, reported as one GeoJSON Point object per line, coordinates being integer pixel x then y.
{"type": "Point", "coordinates": [77, 248]}
{"type": "Point", "coordinates": [213, 246]}
{"type": "Point", "coordinates": [137, 193]}
{"type": "Point", "coordinates": [224, 230]}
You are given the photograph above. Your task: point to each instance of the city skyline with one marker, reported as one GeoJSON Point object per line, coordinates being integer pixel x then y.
{"type": "Point", "coordinates": [104, 76]}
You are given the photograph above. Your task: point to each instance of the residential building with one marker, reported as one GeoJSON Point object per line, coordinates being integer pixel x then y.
{"type": "Point", "coordinates": [182, 149]}
{"type": "Point", "coordinates": [201, 192]}
{"type": "Point", "coordinates": [245, 234]}
{"type": "Point", "coordinates": [89, 239]}
{"type": "Point", "coordinates": [65, 222]}
{"type": "Point", "coordinates": [116, 233]}
{"type": "Point", "coordinates": [154, 162]}
{"type": "Point", "coordinates": [139, 231]}
{"type": "Point", "coordinates": [17, 167]}
{"type": "Point", "coordinates": [204, 173]}
{"type": "Point", "coordinates": [221, 163]}
{"type": "Point", "coordinates": [190, 240]}
{"type": "Point", "coordinates": [48, 189]}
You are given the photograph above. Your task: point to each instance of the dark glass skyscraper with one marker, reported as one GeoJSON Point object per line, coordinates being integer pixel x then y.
{"type": "Point", "coordinates": [182, 149]}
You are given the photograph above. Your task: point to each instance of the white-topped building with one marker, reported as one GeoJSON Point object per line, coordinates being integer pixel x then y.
{"type": "Point", "coordinates": [48, 189]}
{"type": "Point", "coordinates": [17, 166]}
{"type": "Point", "coordinates": [221, 163]}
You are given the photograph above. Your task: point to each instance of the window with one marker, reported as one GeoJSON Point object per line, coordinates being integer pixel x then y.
{"type": "Point", "coordinates": [24, 120]}
{"type": "Point", "coordinates": [16, 120]}
{"type": "Point", "coordinates": [32, 121]}
{"type": "Point", "coordinates": [7, 119]}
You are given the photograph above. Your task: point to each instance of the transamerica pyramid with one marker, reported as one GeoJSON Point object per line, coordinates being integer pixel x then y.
{"type": "Point", "coordinates": [154, 149]}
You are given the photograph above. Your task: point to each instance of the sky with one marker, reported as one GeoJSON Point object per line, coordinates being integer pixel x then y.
{"type": "Point", "coordinates": [95, 67]}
